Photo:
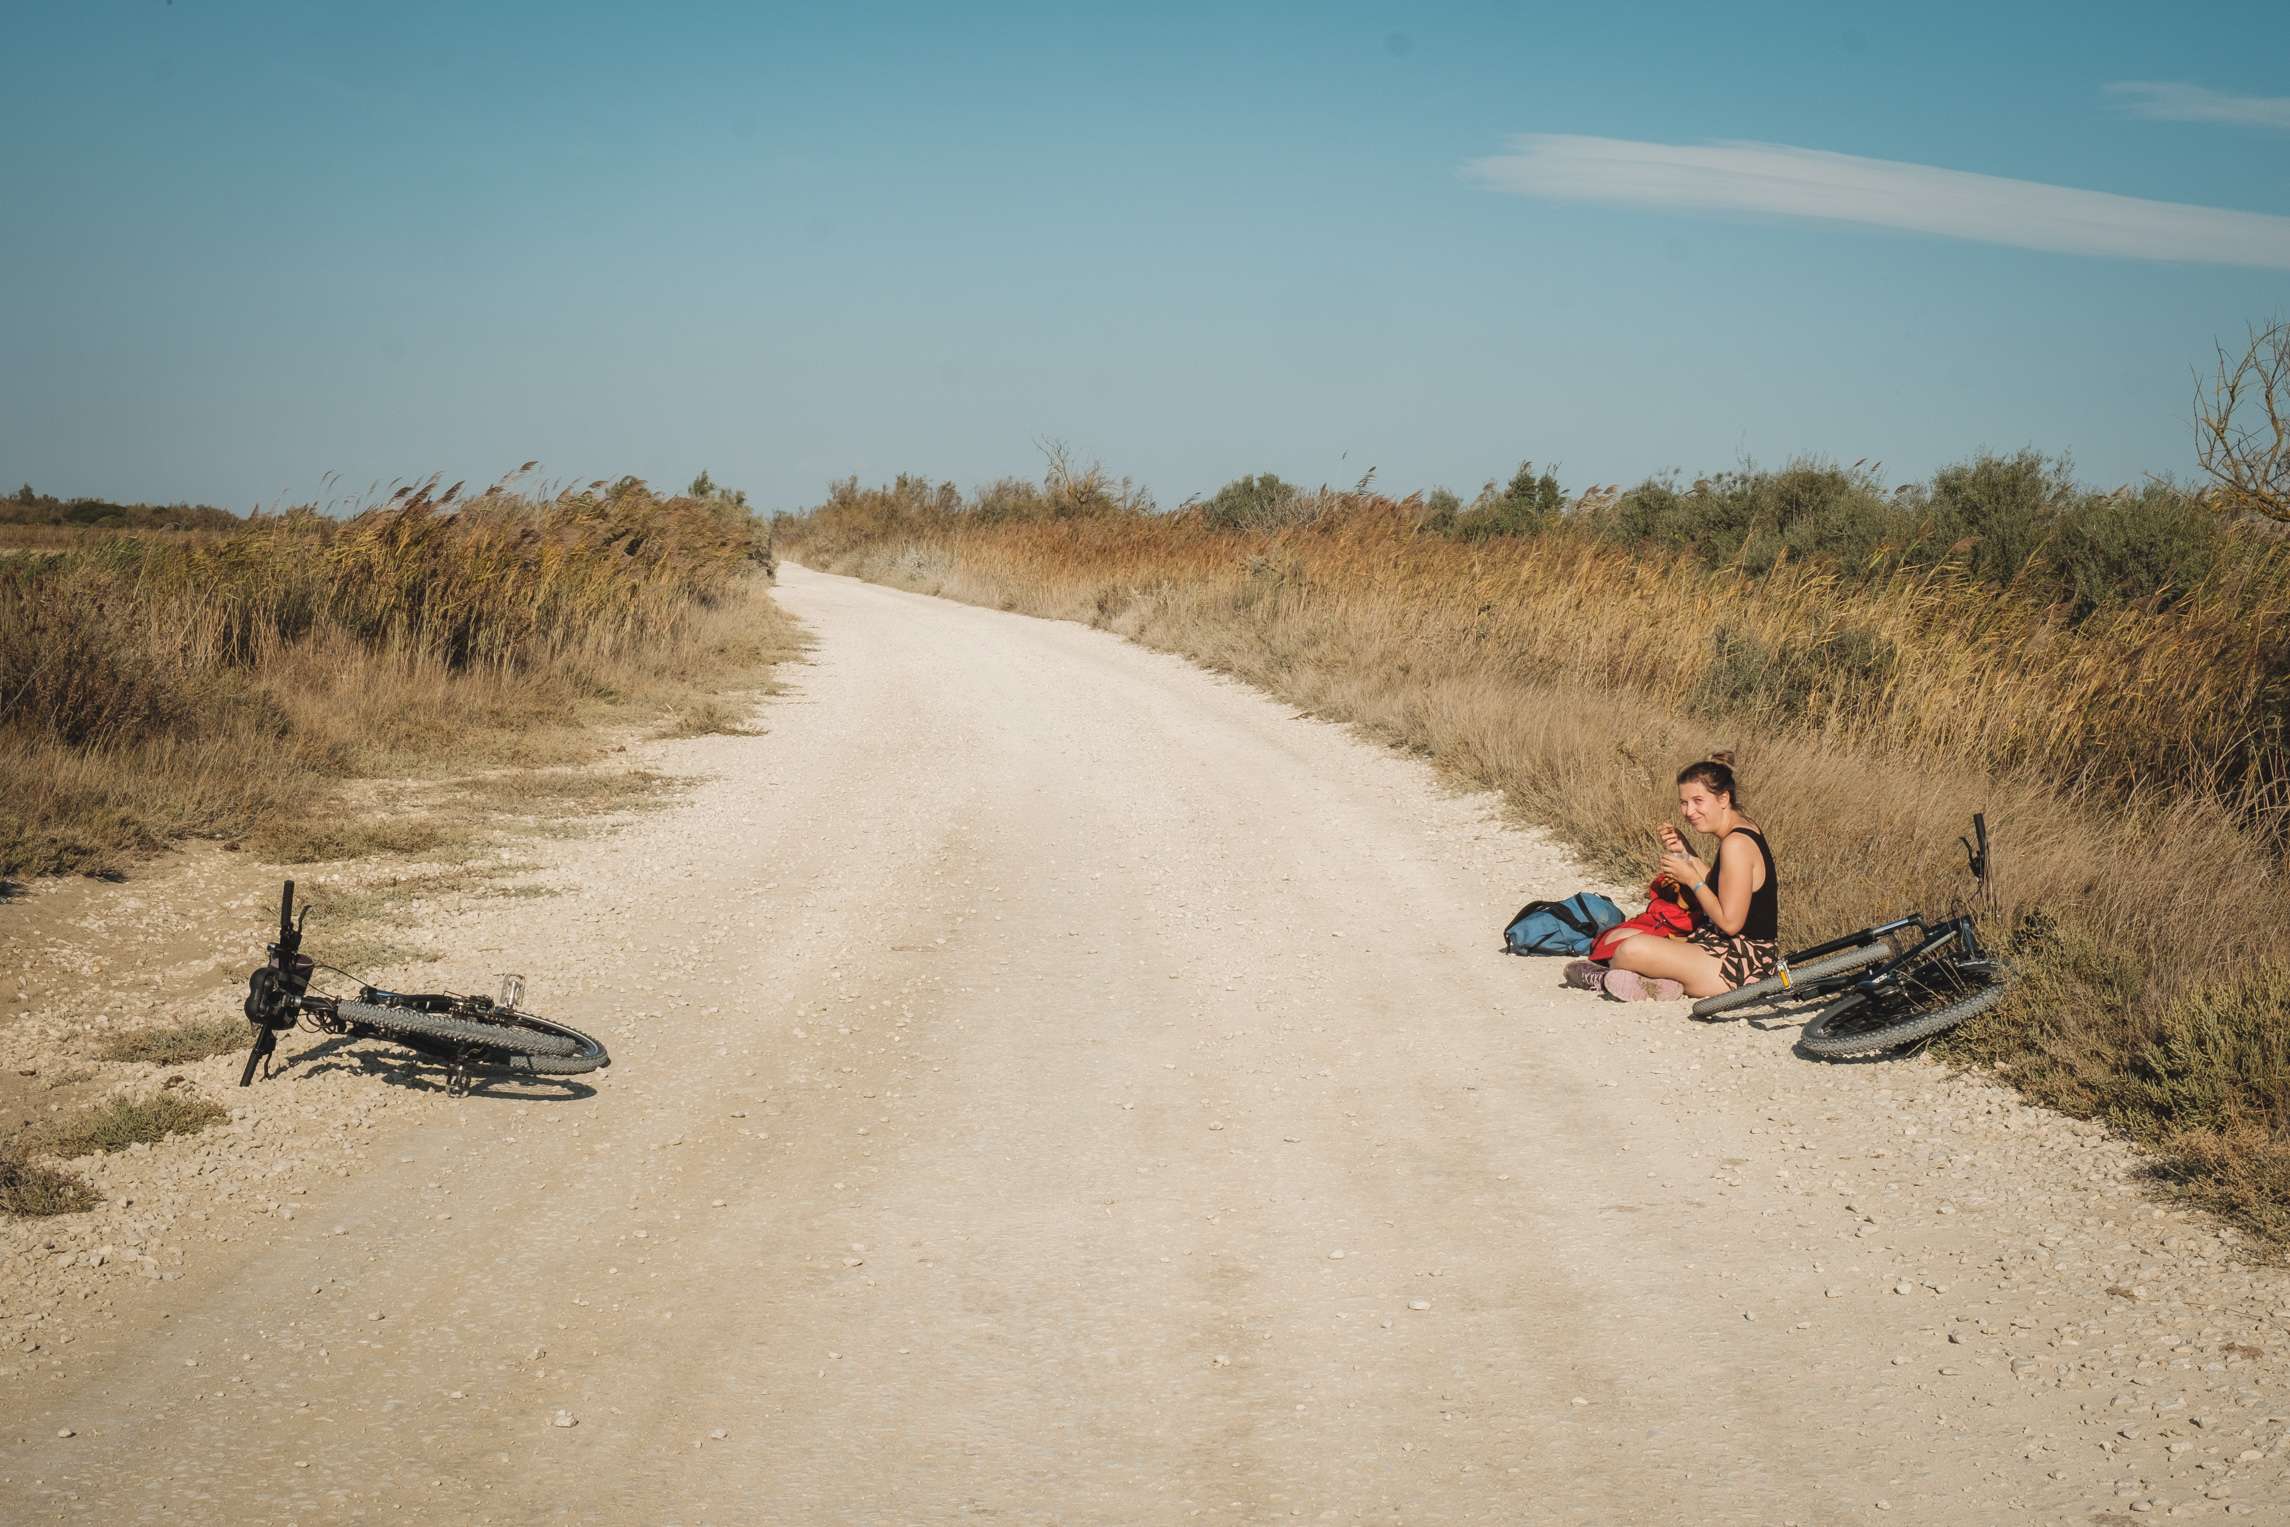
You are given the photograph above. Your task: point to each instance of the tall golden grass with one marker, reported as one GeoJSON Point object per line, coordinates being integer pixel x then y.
{"type": "Point", "coordinates": [224, 683]}
{"type": "Point", "coordinates": [2130, 761]}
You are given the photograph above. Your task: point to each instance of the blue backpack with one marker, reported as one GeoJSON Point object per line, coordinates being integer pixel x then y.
{"type": "Point", "coordinates": [1560, 927]}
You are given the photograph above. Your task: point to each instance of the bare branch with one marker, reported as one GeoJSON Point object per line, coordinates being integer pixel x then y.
{"type": "Point", "coordinates": [2242, 425]}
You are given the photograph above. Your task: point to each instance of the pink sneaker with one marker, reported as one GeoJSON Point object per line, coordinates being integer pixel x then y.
{"type": "Point", "coordinates": [1629, 986]}
{"type": "Point", "coordinates": [1584, 975]}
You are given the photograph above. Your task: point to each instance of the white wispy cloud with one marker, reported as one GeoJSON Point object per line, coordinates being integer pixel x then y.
{"type": "Point", "coordinates": [1844, 188]}
{"type": "Point", "coordinates": [2169, 101]}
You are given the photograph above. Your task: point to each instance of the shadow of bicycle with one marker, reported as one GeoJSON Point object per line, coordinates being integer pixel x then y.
{"type": "Point", "coordinates": [1782, 1018]}
{"type": "Point", "coordinates": [1770, 1018]}
{"type": "Point", "coordinates": [416, 1073]}
{"type": "Point", "coordinates": [1766, 1018]}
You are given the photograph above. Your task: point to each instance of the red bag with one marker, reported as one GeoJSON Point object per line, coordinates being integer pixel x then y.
{"type": "Point", "coordinates": [1667, 915]}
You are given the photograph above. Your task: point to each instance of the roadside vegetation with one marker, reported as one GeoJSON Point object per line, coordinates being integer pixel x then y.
{"type": "Point", "coordinates": [35, 521]}
{"type": "Point", "coordinates": [29, 1190]}
{"type": "Point", "coordinates": [179, 672]}
{"type": "Point", "coordinates": [117, 1123]}
{"type": "Point", "coordinates": [2106, 674]}
{"type": "Point", "coordinates": [177, 1044]}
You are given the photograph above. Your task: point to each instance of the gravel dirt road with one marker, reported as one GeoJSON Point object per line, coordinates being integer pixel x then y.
{"type": "Point", "coordinates": [1056, 1084]}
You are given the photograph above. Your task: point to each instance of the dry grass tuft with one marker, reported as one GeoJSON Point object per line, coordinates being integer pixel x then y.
{"type": "Point", "coordinates": [335, 832]}
{"type": "Point", "coordinates": [178, 1044]}
{"type": "Point", "coordinates": [122, 1122]}
{"type": "Point", "coordinates": [28, 1190]}
{"type": "Point", "coordinates": [389, 895]}
{"type": "Point", "coordinates": [709, 718]}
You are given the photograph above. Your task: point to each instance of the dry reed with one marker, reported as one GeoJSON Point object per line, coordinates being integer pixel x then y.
{"type": "Point", "coordinates": [224, 684]}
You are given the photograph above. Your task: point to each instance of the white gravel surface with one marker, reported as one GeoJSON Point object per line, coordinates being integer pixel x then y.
{"type": "Point", "coordinates": [1055, 1084]}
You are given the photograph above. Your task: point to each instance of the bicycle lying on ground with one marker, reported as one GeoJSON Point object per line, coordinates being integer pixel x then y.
{"type": "Point", "coordinates": [459, 1033]}
{"type": "Point", "coordinates": [1887, 986]}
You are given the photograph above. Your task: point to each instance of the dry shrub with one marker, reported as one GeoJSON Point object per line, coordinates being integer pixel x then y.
{"type": "Point", "coordinates": [121, 1122]}
{"type": "Point", "coordinates": [178, 1044]}
{"type": "Point", "coordinates": [224, 684]}
{"type": "Point", "coordinates": [709, 718]}
{"type": "Point", "coordinates": [2129, 759]}
{"type": "Point", "coordinates": [28, 1190]}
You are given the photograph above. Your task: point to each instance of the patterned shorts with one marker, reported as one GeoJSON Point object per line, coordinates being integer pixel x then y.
{"type": "Point", "coordinates": [1740, 960]}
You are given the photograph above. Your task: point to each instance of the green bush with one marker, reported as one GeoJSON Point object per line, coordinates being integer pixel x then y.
{"type": "Point", "coordinates": [1998, 514]}
{"type": "Point", "coordinates": [706, 487]}
{"type": "Point", "coordinates": [1795, 678]}
{"type": "Point", "coordinates": [1753, 518]}
{"type": "Point", "coordinates": [1011, 498]}
{"type": "Point", "coordinates": [1529, 502]}
{"type": "Point", "coordinates": [1440, 507]}
{"type": "Point", "coordinates": [1250, 503]}
{"type": "Point", "coordinates": [2121, 548]}
{"type": "Point", "coordinates": [2015, 521]}
{"type": "Point", "coordinates": [26, 507]}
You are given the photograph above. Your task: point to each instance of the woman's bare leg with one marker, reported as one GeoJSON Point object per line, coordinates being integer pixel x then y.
{"type": "Point", "coordinates": [1692, 967]}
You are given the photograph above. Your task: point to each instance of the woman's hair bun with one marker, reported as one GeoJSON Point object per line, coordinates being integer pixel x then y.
{"type": "Point", "coordinates": [1723, 758]}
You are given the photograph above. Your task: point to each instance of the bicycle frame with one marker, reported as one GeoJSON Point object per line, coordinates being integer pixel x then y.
{"type": "Point", "coordinates": [1910, 978]}
{"type": "Point", "coordinates": [1848, 941]}
{"type": "Point", "coordinates": [1932, 934]}
{"type": "Point", "coordinates": [1966, 960]}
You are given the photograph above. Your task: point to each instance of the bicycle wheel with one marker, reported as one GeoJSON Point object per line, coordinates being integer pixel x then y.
{"type": "Point", "coordinates": [1804, 982]}
{"type": "Point", "coordinates": [1852, 1025]}
{"type": "Point", "coordinates": [515, 1041]}
{"type": "Point", "coordinates": [584, 1053]}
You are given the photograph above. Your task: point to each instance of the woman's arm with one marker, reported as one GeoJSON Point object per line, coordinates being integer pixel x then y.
{"type": "Point", "coordinates": [1728, 913]}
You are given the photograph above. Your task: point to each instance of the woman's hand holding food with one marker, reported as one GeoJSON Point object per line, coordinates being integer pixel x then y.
{"type": "Point", "coordinates": [1685, 869]}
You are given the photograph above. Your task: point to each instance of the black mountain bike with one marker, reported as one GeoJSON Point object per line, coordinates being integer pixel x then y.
{"type": "Point", "coordinates": [458, 1033]}
{"type": "Point", "coordinates": [1890, 985]}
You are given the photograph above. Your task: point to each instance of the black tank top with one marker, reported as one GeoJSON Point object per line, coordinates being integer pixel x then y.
{"type": "Point", "coordinates": [1764, 920]}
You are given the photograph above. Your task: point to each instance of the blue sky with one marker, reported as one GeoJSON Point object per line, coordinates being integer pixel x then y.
{"type": "Point", "coordinates": [253, 244]}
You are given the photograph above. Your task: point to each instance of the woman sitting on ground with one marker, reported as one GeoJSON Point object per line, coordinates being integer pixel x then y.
{"type": "Point", "coordinates": [1737, 899]}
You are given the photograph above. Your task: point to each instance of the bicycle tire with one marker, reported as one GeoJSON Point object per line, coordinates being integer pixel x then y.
{"type": "Point", "coordinates": [557, 1065]}
{"type": "Point", "coordinates": [588, 1053]}
{"type": "Point", "coordinates": [1772, 988]}
{"type": "Point", "coordinates": [1828, 1038]}
{"type": "Point", "coordinates": [538, 1045]}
